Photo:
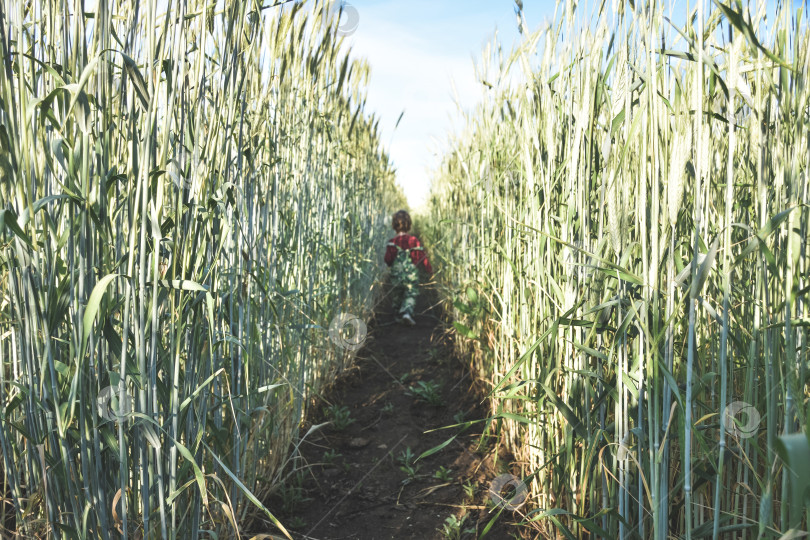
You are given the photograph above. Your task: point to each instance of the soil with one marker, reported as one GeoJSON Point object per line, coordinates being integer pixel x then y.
{"type": "Point", "coordinates": [354, 482]}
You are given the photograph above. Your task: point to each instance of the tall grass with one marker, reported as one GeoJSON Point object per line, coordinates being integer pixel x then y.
{"type": "Point", "coordinates": [625, 240]}
{"type": "Point", "coordinates": [190, 192]}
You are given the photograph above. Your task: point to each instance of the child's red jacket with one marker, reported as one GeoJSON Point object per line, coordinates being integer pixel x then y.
{"type": "Point", "coordinates": [407, 241]}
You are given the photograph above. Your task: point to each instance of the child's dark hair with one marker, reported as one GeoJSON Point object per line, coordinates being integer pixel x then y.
{"type": "Point", "coordinates": [401, 222]}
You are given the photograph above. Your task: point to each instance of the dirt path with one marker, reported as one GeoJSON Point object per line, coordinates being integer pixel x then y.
{"type": "Point", "coordinates": [359, 478]}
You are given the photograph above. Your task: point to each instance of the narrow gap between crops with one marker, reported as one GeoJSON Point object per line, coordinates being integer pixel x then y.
{"type": "Point", "coordinates": [359, 477]}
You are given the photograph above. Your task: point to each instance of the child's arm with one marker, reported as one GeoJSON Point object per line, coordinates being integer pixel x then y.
{"type": "Point", "coordinates": [390, 254]}
{"type": "Point", "coordinates": [420, 257]}
{"type": "Point", "coordinates": [427, 266]}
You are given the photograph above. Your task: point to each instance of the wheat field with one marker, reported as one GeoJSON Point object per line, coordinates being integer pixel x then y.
{"type": "Point", "coordinates": [162, 327]}
{"type": "Point", "coordinates": [623, 225]}
{"type": "Point", "coordinates": [192, 194]}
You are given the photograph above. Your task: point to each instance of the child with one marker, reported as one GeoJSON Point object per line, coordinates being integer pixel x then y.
{"type": "Point", "coordinates": [404, 255]}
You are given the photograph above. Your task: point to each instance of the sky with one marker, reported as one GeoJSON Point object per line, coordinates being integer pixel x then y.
{"type": "Point", "coordinates": [419, 50]}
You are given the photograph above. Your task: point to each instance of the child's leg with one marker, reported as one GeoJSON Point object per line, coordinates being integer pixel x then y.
{"type": "Point", "coordinates": [409, 296]}
{"type": "Point", "coordinates": [410, 291]}
{"type": "Point", "coordinates": [397, 291]}
{"type": "Point", "coordinates": [399, 278]}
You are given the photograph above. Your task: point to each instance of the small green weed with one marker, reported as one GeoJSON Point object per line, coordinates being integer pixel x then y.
{"type": "Point", "coordinates": [453, 528]}
{"type": "Point", "coordinates": [443, 474]}
{"type": "Point", "coordinates": [330, 456]}
{"type": "Point", "coordinates": [406, 457]}
{"type": "Point", "coordinates": [388, 408]}
{"type": "Point", "coordinates": [469, 490]}
{"type": "Point", "coordinates": [406, 460]}
{"type": "Point", "coordinates": [410, 470]}
{"type": "Point", "coordinates": [340, 417]}
{"type": "Point", "coordinates": [427, 392]}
